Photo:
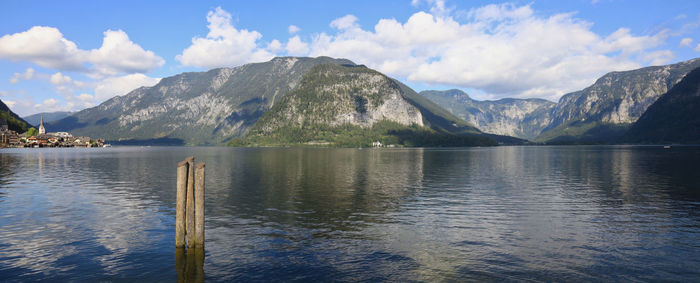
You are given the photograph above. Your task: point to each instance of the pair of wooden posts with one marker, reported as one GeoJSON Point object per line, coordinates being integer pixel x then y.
{"type": "Point", "coordinates": [189, 215]}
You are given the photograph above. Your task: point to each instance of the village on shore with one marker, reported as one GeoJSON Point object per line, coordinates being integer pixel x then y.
{"type": "Point", "coordinates": [33, 138]}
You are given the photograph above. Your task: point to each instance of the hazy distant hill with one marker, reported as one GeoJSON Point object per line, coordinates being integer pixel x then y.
{"type": "Point", "coordinates": [523, 118]}
{"type": "Point", "coordinates": [14, 122]}
{"type": "Point", "coordinates": [355, 106]}
{"type": "Point", "coordinates": [48, 117]}
{"type": "Point", "coordinates": [673, 118]}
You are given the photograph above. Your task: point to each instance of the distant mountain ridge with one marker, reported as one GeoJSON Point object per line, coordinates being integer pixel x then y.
{"type": "Point", "coordinates": [48, 117]}
{"type": "Point", "coordinates": [194, 108]}
{"type": "Point", "coordinates": [523, 118]}
{"type": "Point", "coordinates": [356, 106]}
{"type": "Point", "coordinates": [600, 113]}
{"type": "Point", "coordinates": [604, 111]}
{"type": "Point", "coordinates": [212, 107]}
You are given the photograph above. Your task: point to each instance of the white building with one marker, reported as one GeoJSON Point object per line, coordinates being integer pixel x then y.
{"type": "Point", "coordinates": [42, 130]}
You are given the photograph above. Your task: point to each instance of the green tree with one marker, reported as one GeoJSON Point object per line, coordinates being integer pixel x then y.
{"type": "Point", "coordinates": [31, 132]}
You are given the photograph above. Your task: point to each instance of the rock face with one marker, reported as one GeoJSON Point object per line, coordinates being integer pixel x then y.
{"type": "Point", "coordinates": [603, 111]}
{"type": "Point", "coordinates": [212, 107]}
{"type": "Point", "coordinates": [522, 118]}
{"type": "Point", "coordinates": [353, 106]}
{"type": "Point", "coordinates": [194, 108]}
{"type": "Point", "coordinates": [673, 118]}
{"type": "Point", "coordinates": [336, 95]}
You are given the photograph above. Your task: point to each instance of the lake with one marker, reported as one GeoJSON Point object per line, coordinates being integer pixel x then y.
{"type": "Point", "coordinates": [560, 213]}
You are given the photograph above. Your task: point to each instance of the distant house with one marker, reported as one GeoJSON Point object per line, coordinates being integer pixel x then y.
{"type": "Point", "coordinates": [4, 138]}
{"type": "Point", "coordinates": [13, 139]}
{"type": "Point", "coordinates": [61, 134]}
{"type": "Point", "coordinates": [3, 125]}
{"type": "Point", "coordinates": [377, 144]}
{"type": "Point", "coordinates": [53, 141]}
{"type": "Point", "coordinates": [42, 140]}
{"type": "Point", "coordinates": [81, 142]}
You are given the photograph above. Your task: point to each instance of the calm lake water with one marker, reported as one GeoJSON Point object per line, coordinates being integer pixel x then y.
{"type": "Point", "coordinates": [566, 213]}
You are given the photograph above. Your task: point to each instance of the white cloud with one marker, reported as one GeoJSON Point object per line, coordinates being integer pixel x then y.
{"type": "Point", "coordinates": [64, 84]}
{"type": "Point", "coordinates": [293, 29]}
{"type": "Point", "coordinates": [50, 103]}
{"type": "Point", "coordinates": [27, 75]}
{"type": "Point", "coordinates": [85, 97]}
{"type": "Point", "coordinates": [115, 68]}
{"type": "Point", "coordinates": [224, 45]}
{"type": "Point", "coordinates": [659, 57]}
{"type": "Point", "coordinates": [345, 22]}
{"type": "Point", "coordinates": [296, 47]}
{"type": "Point", "coordinates": [503, 50]}
{"type": "Point", "coordinates": [118, 54]}
{"type": "Point", "coordinates": [697, 48]}
{"type": "Point", "coordinates": [46, 47]}
{"type": "Point", "coordinates": [274, 46]}
{"type": "Point", "coordinates": [86, 100]}
{"type": "Point", "coordinates": [685, 42]}
{"type": "Point", "coordinates": [58, 79]}
{"type": "Point", "coordinates": [437, 7]}
{"type": "Point", "coordinates": [110, 87]}
{"type": "Point", "coordinates": [10, 103]}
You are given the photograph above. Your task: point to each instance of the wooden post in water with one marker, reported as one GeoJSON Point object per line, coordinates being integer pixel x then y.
{"type": "Point", "coordinates": [181, 193]}
{"type": "Point", "coordinates": [199, 206]}
{"type": "Point", "coordinates": [189, 211]}
{"type": "Point", "coordinates": [189, 222]}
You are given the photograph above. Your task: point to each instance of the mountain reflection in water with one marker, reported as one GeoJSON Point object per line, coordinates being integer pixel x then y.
{"type": "Point", "coordinates": [302, 214]}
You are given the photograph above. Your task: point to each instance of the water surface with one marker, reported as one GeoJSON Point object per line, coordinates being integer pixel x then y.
{"type": "Point", "coordinates": [566, 213]}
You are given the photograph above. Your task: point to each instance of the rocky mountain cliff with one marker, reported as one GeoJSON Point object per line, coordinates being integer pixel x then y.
{"type": "Point", "coordinates": [14, 122]}
{"type": "Point", "coordinates": [355, 106]}
{"type": "Point", "coordinates": [523, 118]}
{"type": "Point", "coordinates": [194, 108]}
{"type": "Point", "coordinates": [605, 110]}
{"type": "Point", "coordinates": [673, 118]}
{"type": "Point", "coordinates": [599, 113]}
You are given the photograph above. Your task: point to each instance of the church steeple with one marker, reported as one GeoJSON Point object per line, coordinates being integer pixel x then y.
{"type": "Point", "coordinates": [42, 130]}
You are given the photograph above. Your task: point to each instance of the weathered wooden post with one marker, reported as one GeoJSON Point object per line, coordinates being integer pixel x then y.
{"type": "Point", "coordinates": [189, 211]}
{"type": "Point", "coordinates": [199, 206]}
{"type": "Point", "coordinates": [189, 222]}
{"type": "Point", "coordinates": [181, 195]}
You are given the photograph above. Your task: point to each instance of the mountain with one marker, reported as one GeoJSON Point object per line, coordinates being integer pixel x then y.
{"type": "Point", "coordinates": [48, 117]}
{"type": "Point", "coordinates": [194, 108]}
{"type": "Point", "coordinates": [673, 118]}
{"type": "Point", "coordinates": [523, 118]}
{"type": "Point", "coordinates": [603, 111]}
{"type": "Point", "coordinates": [350, 105]}
{"type": "Point", "coordinates": [14, 122]}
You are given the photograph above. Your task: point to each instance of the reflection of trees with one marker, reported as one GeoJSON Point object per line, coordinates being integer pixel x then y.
{"type": "Point", "coordinates": [328, 188]}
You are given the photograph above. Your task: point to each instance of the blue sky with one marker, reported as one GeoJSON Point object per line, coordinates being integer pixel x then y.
{"type": "Point", "coordinates": [71, 55]}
